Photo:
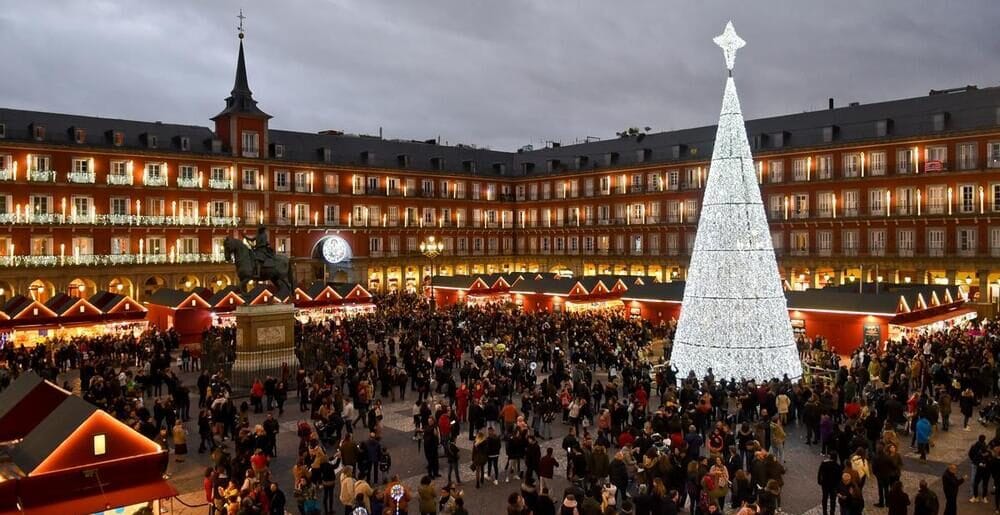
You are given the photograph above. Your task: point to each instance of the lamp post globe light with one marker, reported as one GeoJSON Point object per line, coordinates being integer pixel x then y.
{"type": "Point", "coordinates": [432, 248]}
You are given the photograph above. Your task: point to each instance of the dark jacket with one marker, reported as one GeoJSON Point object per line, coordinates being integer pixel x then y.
{"type": "Point", "coordinates": [828, 476]}
{"type": "Point", "coordinates": [898, 502]}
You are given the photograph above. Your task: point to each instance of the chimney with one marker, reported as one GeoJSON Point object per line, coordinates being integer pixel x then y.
{"type": "Point", "coordinates": [831, 102]}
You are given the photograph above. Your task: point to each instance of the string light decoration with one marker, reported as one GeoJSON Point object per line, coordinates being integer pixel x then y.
{"type": "Point", "coordinates": [734, 316]}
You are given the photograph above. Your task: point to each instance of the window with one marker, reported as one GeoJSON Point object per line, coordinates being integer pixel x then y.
{"type": "Point", "coordinates": [39, 163]}
{"type": "Point", "coordinates": [251, 141]}
{"type": "Point", "coordinates": [967, 198]}
{"type": "Point", "coordinates": [936, 199]}
{"type": "Point", "coordinates": [876, 242]}
{"type": "Point", "coordinates": [185, 143]}
{"type": "Point", "coordinates": [283, 211]}
{"type": "Point", "coordinates": [82, 207]}
{"type": "Point", "coordinates": [220, 209]}
{"type": "Point", "coordinates": [851, 203]}
{"type": "Point", "coordinates": [187, 176]}
{"type": "Point", "coordinates": [40, 204]}
{"type": "Point", "coordinates": [120, 245]}
{"type": "Point", "coordinates": [800, 169]}
{"type": "Point", "coordinates": [100, 444]}
{"type": "Point", "coordinates": [692, 177]}
{"type": "Point", "coordinates": [279, 150]}
{"type": "Point", "coordinates": [302, 182]}
{"type": "Point", "coordinates": [936, 159]}
{"type": "Point", "coordinates": [966, 241]}
{"type": "Point", "coordinates": [3, 130]}
{"type": "Point", "coordinates": [302, 215]}
{"type": "Point", "coordinates": [800, 205]}
{"type": "Point", "coordinates": [776, 171]}
{"type": "Point", "coordinates": [852, 164]}
{"type": "Point", "coordinates": [427, 188]}
{"type": "Point", "coordinates": [849, 242]}
{"type": "Point", "coordinates": [331, 214]}
{"type": "Point", "coordinates": [906, 200]}
{"type": "Point", "coordinates": [993, 154]}
{"type": "Point", "coordinates": [673, 180]}
{"type": "Point", "coordinates": [187, 245]}
{"type": "Point", "coordinates": [824, 204]}
{"type": "Point", "coordinates": [935, 242]}
{"type": "Point", "coordinates": [605, 185]}
{"type": "Point", "coordinates": [331, 183]}
{"type": "Point", "coordinates": [119, 206]}
{"type": "Point", "coordinates": [118, 139]}
{"type": "Point", "coordinates": [876, 162]}
{"type": "Point", "coordinates": [281, 180]}
{"type": "Point", "coordinates": [81, 166]}
{"type": "Point", "coordinates": [188, 211]}
{"type": "Point", "coordinates": [995, 241]}
{"type": "Point", "coordinates": [251, 212]}
{"type": "Point", "coordinates": [249, 178]}
{"type": "Point", "coordinates": [876, 201]}
{"type": "Point", "coordinates": [777, 241]}
{"type": "Point", "coordinates": [905, 242]}
{"type": "Point", "coordinates": [824, 167]}
{"type": "Point", "coordinates": [690, 211]}
{"type": "Point", "coordinates": [995, 200]}
{"type": "Point", "coordinates": [904, 161]}
{"type": "Point", "coordinates": [41, 246]}
{"type": "Point", "coordinates": [38, 131]}
{"type": "Point", "coordinates": [156, 246]}
{"type": "Point", "coordinates": [966, 156]}
{"type": "Point", "coordinates": [824, 242]}
{"type": "Point", "coordinates": [799, 243]}
{"type": "Point", "coordinates": [219, 178]}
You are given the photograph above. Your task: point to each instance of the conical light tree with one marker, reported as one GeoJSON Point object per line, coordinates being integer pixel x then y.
{"type": "Point", "coordinates": [734, 318]}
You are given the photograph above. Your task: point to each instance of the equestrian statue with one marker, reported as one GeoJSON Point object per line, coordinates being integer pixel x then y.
{"type": "Point", "coordinates": [256, 261]}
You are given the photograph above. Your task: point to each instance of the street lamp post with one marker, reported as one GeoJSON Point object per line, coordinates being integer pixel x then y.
{"type": "Point", "coordinates": [431, 248]}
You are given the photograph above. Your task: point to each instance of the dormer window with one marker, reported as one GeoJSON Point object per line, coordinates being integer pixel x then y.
{"type": "Point", "coordinates": [151, 140]}
{"type": "Point", "coordinates": [367, 157]}
{"type": "Point", "coordinates": [185, 143]}
{"type": "Point", "coordinates": [403, 160]}
{"type": "Point", "coordinates": [778, 139]}
{"type": "Point", "coordinates": [3, 130]}
{"type": "Point", "coordinates": [938, 121]}
{"type": "Point", "coordinates": [469, 166]}
{"type": "Point", "coordinates": [883, 127]}
{"type": "Point", "coordinates": [38, 132]}
{"type": "Point", "coordinates": [80, 136]}
{"type": "Point", "coordinates": [437, 163]}
{"type": "Point", "coordinates": [829, 133]}
{"type": "Point", "coordinates": [326, 154]}
{"type": "Point", "coordinates": [611, 158]}
{"type": "Point", "coordinates": [251, 144]}
{"type": "Point", "coordinates": [643, 155]}
{"type": "Point", "coordinates": [279, 150]}
{"type": "Point", "coordinates": [553, 165]}
{"type": "Point", "coordinates": [527, 167]}
{"type": "Point", "coordinates": [499, 168]}
{"type": "Point", "coordinates": [118, 138]}
{"type": "Point", "coordinates": [677, 151]}
{"type": "Point", "coordinates": [581, 162]}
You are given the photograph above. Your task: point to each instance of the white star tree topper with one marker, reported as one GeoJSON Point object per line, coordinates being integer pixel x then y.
{"type": "Point", "coordinates": [729, 42]}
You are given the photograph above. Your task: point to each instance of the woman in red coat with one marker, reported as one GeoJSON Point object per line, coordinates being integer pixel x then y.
{"type": "Point", "coordinates": [462, 402]}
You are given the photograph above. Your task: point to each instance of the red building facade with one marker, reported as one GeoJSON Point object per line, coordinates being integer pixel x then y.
{"type": "Point", "coordinates": [906, 190]}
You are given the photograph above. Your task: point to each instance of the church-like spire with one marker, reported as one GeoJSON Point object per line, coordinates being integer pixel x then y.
{"type": "Point", "coordinates": [240, 99]}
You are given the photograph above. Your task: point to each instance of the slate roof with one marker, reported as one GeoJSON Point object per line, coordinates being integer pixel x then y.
{"type": "Point", "coordinates": [965, 109]}
{"type": "Point", "coordinates": [16, 305]}
{"type": "Point", "coordinates": [668, 292]}
{"type": "Point", "coordinates": [217, 297]}
{"type": "Point", "coordinates": [18, 388]}
{"type": "Point", "coordinates": [60, 303]}
{"type": "Point", "coordinates": [105, 300]}
{"type": "Point", "coordinates": [169, 297]}
{"type": "Point", "coordinates": [882, 302]}
{"type": "Point", "coordinates": [53, 430]}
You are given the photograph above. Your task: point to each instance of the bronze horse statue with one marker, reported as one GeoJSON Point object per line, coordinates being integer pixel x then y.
{"type": "Point", "coordinates": [275, 268]}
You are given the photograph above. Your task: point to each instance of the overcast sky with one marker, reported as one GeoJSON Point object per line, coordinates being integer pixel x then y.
{"type": "Point", "coordinates": [487, 72]}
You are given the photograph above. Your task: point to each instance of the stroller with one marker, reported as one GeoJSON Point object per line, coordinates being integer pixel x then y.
{"type": "Point", "coordinates": [990, 413]}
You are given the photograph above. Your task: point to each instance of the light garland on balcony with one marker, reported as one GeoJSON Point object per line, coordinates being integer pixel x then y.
{"type": "Point", "coordinates": [734, 317]}
{"type": "Point", "coordinates": [12, 261]}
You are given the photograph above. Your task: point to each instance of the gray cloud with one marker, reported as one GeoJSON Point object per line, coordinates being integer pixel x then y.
{"type": "Point", "coordinates": [498, 73]}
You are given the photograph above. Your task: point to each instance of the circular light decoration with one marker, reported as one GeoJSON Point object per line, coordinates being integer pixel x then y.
{"type": "Point", "coordinates": [336, 250]}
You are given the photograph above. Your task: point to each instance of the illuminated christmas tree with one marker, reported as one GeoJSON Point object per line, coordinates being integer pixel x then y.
{"type": "Point", "coordinates": [734, 318]}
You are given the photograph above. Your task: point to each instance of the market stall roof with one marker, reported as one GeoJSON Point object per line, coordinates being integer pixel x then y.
{"type": "Point", "coordinates": [656, 292]}
{"type": "Point", "coordinates": [320, 289]}
{"type": "Point", "coordinates": [349, 291]}
{"type": "Point", "coordinates": [25, 403]}
{"type": "Point", "coordinates": [50, 433]}
{"type": "Point", "coordinates": [226, 297]}
{"type": "Point", "coordinates": [64, 305]}
{"type": "Point", "coordinates": [19, 307]}
{"type": "Point", "coordinates": [177, 299]}
{"type": "Point", "coordinates": [548, 286]}
{"type": "Point", "coordinates": [109, 303]}
{"type": "Point", "coordinates": [940, 317]}
{"type": "Point", "coordinates": [99, 501]}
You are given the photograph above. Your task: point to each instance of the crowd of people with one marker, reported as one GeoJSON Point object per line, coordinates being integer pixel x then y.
{"type": "Point", "coordinates": [639, 438]}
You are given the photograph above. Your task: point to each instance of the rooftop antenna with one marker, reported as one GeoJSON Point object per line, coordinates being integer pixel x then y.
{"type": "Point", "coordinates": [240, 28]}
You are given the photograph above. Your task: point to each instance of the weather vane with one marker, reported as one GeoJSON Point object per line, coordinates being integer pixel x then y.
{"type": "Point", "coordinates": [241, 17]}
{"type": "Point", "coordinates": [730, 42]}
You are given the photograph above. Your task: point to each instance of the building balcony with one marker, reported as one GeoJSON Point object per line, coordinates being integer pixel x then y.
{"type": "Point", "coordinates": [81, 177]}
{"type": "Point", "coordinates": [798, 252]}
{"type": "Point", "coordinates": [105, 260]}
{"type": "Point", "coordinates": [188, 182]}
{"type": "Point", "coordinates": [119, 180]}
{"type": "Point", "coordinates": [6, 174]}
{"type": "Point", "coordinates": [220, 184]}
{"type": "Point", "coordinates": [222, 221]}
{"type": "Point", "coordinates": [42, 175]}
{"type": "Point", "coordinates": [154, 180]}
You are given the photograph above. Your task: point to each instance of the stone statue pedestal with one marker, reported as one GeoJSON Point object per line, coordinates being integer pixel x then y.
{"type": "Point", "coordinates": [265, 340]}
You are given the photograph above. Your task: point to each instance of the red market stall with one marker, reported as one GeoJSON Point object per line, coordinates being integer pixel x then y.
{"type": "Point", "coordinates": [26, 322]}
{"type": "Point", "coordinates": [67, 456]}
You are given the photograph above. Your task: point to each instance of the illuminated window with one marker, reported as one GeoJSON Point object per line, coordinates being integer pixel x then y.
{"type": "Point", "coordinates": [100, 444]}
